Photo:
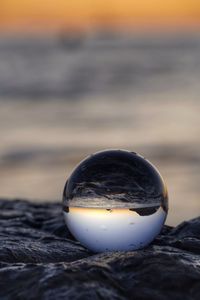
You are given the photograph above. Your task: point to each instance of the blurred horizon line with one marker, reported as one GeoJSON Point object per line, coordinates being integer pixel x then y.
{"type": "Point", "coordinates": [100, 30]}
{"type": "Point", "coordinates": [130, 28]}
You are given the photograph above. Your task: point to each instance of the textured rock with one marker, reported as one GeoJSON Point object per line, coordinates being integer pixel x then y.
{"type": "Point", "coordinates": [39, 259]}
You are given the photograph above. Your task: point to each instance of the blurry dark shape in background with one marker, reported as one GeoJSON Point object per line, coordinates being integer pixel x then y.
{"type": "Point", "coordinates": [72, 40]}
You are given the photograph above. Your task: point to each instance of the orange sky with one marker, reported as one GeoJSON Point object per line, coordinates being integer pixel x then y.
{"type": "Point", "coordinates": [52, 14]}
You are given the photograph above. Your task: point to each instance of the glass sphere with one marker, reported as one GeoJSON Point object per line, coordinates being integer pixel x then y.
{"type": "Point", "coordinates": [115, 200]}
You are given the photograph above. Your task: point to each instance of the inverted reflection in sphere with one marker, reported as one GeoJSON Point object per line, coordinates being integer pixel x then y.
{"type": "Point", "coordinates": [115, 200]}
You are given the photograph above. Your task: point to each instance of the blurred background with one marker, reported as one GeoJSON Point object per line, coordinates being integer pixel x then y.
{"type": "Point", "coordinates": [84, 75]}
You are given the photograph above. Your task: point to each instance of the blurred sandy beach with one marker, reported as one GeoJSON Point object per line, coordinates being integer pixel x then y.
{"type": "Point", "coordinates": [63, 97]}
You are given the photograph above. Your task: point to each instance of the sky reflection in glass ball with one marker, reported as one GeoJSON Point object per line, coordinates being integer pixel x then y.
{"type": "Point", "coordinates": [115, 200]}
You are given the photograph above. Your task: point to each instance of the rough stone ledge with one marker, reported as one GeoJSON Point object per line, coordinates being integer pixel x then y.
{"type": "Point", "coordinates": [39, 259]}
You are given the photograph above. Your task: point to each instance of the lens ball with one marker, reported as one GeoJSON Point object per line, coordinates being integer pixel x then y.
{"type": "Point", "coordinates": [115, 200]}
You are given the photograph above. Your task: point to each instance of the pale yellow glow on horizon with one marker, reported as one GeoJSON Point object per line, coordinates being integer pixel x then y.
{"type": "Point", "coordinates": [101, 211]}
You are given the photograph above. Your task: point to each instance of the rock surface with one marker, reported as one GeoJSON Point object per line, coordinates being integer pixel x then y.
{"type": "Point", "coordinates": [39, 259]}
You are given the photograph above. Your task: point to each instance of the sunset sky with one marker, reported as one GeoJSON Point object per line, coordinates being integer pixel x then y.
{"type": "Point", "coordinates": [51, 14]}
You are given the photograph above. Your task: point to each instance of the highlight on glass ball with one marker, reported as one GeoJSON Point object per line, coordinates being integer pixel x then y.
{"type": "Point", "coordinates": [115, 200]}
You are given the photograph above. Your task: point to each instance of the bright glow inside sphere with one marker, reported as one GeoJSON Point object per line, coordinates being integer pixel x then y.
{"type": "Point", "coordinates": [115, 200]}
